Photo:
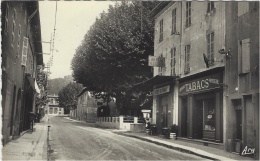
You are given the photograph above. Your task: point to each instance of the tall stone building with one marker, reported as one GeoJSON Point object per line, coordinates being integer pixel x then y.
{"type": "Point", "coordinates": [21, 43]}
{"type": "Point", "coordinates": [206, 79]}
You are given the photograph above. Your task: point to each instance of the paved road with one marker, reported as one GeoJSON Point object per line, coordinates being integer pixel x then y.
{"type": "Point", "coordinates": [78, 141]}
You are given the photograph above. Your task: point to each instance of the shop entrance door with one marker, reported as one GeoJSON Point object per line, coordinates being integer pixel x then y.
{"type": "Point", "coordinates": [163, 111]}
{"type": "Point", "coordinates": [198, 120]}
{"type": "Point", "coordinates": [184, 116]}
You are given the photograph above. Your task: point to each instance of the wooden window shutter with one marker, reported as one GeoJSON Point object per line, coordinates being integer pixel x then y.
{"type": "Point", "coordinates": [245, 53]}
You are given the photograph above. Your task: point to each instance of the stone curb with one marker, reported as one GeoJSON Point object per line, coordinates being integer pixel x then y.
{"type": "Point", "coordinates": [167, 146]}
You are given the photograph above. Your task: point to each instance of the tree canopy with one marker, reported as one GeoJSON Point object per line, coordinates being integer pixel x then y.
{"type": "Point", "coordinates": [114, 53]}
{"type": "Point", "coordinates": [68, 95]}
{"type": "Point", "coordinates": [41, 80]}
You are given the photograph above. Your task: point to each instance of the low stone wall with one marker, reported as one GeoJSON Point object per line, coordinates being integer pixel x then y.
{"type": "Point", "coordinates": [119, 123]}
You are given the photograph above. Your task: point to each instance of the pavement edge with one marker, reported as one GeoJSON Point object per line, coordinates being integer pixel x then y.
{"type": "Point", "coordinates": [168, 146]}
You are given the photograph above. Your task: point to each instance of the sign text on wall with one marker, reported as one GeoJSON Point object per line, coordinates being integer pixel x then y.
{"type": "Point", "coordinates": [161, 90]}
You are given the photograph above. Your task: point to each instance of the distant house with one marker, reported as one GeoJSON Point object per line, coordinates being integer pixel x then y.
{"type": "Point", "coordinates": [53, 108]}
{"type": "Point", "coordinates": [89, 108]}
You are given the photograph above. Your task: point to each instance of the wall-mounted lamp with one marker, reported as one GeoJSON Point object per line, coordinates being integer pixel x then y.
{"type": "Point", "coordinates": [226, 52]}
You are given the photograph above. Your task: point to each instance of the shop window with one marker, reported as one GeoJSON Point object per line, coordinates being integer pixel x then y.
{"type": "Point", "coordinates": [209, 115]}
{"type": "Point", "coordinates": [174, 21]}
{"type": "Point", "coordinates": [244, 56]}
{"type": "Point", "coordinates": [188, 14]}
{"type": "Point", "coordinates": [161, 31]}
{"type": "Point", "coordinates": [187, 59]}
{"type": "Point", "coordinates": [210, 48]}
{"type": "Point", "coordinates": [243, 7]}
{"type": "Point", "coordinates": [173, 60]}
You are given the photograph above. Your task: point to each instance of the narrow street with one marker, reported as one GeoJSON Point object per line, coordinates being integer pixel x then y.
{"type": "Point", "coordinates": [78, 141]}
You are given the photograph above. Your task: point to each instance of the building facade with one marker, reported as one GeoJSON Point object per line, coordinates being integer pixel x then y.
{"type": "Point", "coordinates": [208, 84]}
{"type": "Point", "coordinates": [53, 108]}
{"type": "Point", "coordinates": [242, 38]}
{"type": "Point", "coordinates": [21, 43]}
{"type": "Point", "coordinates": [89, 108]}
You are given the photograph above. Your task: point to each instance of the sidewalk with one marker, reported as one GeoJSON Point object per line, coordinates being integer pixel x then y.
{"type": "Point", "coordinates": [30, 145]}
{"type": "Point", "coordinates": [191, 148]}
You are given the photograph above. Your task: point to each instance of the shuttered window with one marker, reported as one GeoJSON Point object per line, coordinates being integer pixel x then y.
{"type": "Point", "coordinates": [161, 31]}
{"type": "Point", "coordinates": [244, 56]}
{"type": "Point", "coordinates": [174, 21]}
{"type": "Point", "coordinates": [243, 7]}
{"type": "Point", "coordinates": [187, 59]}
{"type": "Point", "coordinates": [173, 60]}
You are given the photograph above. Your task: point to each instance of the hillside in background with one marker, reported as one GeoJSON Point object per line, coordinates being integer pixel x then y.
{"type": "Point", "coordinates": [56, 84]}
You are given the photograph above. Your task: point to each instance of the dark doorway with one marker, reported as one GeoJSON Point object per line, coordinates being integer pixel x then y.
{"type": "Point", "coordinates": [184, 114]}
{"type": "Point", "coordinates": [198, 120]}
{"type": "Point", "coordinates": [12, 112]}
{"type": "Point", "coordinates": [239, 124]}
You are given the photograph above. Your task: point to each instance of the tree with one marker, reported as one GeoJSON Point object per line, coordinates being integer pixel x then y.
{"type": "Point", "coordinates": [114, 53]}
{"type": "Point", "coordinates": [41, 80]}
{"type": "Point", "coordinates": [68, 96]}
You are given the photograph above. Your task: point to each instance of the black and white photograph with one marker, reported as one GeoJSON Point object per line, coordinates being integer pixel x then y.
{"type": "Point", "coordinates": [129, 80]}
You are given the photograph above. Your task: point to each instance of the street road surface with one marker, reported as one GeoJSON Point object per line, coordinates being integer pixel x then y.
{"type": "Point", "coordinates": [78, 141]}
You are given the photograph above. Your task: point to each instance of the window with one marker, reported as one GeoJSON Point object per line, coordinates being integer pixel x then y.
{"type": "Point", "coordinates": [25, 17]}
{"type": "Point", "coordinates": [13, 29]}
{"type": "Point", "coordinates": [187, 59]}
{"type": "Point", "coordinates": [243, 7]}
{"type": "Point", "coordinates": [210, 6]}
{"type": "Point", "coordinates": [244, 56]}
{"type": "Point", "coordinates": [14, 15]}
{"type": "Point", "coordinates": [188, 14]}
{"type": "Point", "coordinates": [174, 21]}
{"type": "Point", "coordinates": [209, 114]}
{"type": "Point", "coordinates": [6, 17]}
{"type": "Point", "coordinates": [173, 60]}
{"type": "Point", "coordinates": [19, 36]}
{"type": "Point", "coordinates": [161, 31]}
{"type": "Point", "coordinates": [160, 68]}
{"type": "Point", "coordinates": [210, 48]}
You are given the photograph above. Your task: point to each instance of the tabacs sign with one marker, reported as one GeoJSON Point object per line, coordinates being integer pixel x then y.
{"type": "Point", "coordinates": [156, 61]}
{"type": "Point", "coordinates": [201, 84]}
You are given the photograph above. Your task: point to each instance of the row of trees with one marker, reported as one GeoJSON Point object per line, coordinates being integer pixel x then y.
{"type": "Point", "coordinates": [113, 56]}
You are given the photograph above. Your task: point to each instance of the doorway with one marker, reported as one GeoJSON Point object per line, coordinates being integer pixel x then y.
{"type": "Point", "coordinates": [184, 116]}
{"type": "Point", "coordinates": [198, 120]}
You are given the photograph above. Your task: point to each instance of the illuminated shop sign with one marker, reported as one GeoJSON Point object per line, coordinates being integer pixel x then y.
{"type": "Point", "coordinates": [205, 83]}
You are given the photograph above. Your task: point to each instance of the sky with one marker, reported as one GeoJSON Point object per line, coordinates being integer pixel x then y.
{"type": "Point", "coordinates": [73, 20]}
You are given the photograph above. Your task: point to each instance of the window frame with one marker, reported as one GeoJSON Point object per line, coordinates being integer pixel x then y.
{"type": "Point", "coordinates": [6, 18]}
{"type": "Point", "coordinates": [161, 31]}
{"type": "Point", "coordinates": [210, 37]}
{"type": "Point", "coordinates": [188, 14]}
{"type": "Point", "coordinates": [174, 21]}
{"type": "Point", "coordinates": [187, 59]}
{"type": "Point", "coordinates": [173, 61]}
{"type": "Point", "coordinates": [244, 58]}
{"type": "Point", "coordinates": [210, 6]}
